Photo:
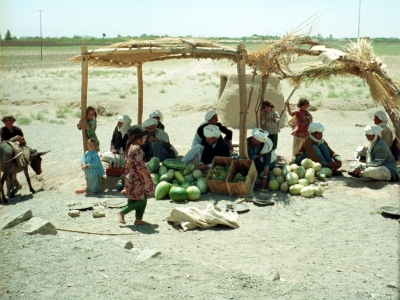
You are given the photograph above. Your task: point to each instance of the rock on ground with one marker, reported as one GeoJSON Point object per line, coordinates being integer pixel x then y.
{"type": "Point", "coordinates": [11, 219]}
{"type": "Point", "coordinates": [37, 225]}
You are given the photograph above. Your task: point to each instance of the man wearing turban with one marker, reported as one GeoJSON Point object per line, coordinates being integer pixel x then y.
{"type": "Point", "coordinates": [120, 136]}
{"type": "Point", "coordinates": [156, 114]}
{"type": "Point", "coordinates": [259, 147]}
{"type": "Point", "coordinates": [316, 148]}
{"type": "Point", "coordinates": [380, 162]}
{"type": "Point", "coordinates": [211, 118]}
{"type": "Point", "coordinates": [157, 142]}
{"type": "Point", "coordinates": [214, 145]}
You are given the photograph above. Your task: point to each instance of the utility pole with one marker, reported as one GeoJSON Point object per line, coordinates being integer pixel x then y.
{"type": "Point", "coordinates": [41, 39]}
{"type": "Point", "coordinates": [359, 13]}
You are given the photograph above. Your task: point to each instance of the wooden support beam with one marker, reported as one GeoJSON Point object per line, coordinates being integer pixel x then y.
{"type": "Point", "coordinates": [84, 88]}
{"type": "Point", "coordinates": [140, 94]}
{"type": "Point", "coordinates": [241, 67]}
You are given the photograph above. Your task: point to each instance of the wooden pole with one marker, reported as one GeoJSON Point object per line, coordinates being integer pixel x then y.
{"type": "Point", "coordinates": [140, 94]}
{"type": "Point", "coordinates": [241, 67]}
{"type": "Point", "coordinates": [84, 88]}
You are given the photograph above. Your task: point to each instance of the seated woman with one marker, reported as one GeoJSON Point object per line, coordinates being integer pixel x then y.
{"type": "Point", "coordinates": [156, 114]}
{"type": "Point", "coordinates": [316, 148]}
{"type": "Point", "coordinates": [157, 142]}
{"type": "Point", "coordinates": [259, 148]}
{"type": "Point", "coordinates": [380, 165]}
{"type": "Point", "coordinates": [119, 138]}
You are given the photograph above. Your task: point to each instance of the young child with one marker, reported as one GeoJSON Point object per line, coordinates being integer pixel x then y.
{"type": "Point", "coordinates": [92, 167]}
{"type": "Point", "coordinates": [270, 122]}
{"type": "Point", "coordinates": [90, 125]}
{"type": "Point", "coordinates": [304, 118]}
{"type": "Point", "coordinates": [138, 183]}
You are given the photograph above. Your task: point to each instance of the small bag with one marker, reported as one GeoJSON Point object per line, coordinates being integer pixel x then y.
{"type": "Point", "coordinates": [292, 122]}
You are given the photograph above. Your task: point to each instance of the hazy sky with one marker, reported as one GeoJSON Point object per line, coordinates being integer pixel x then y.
{"type": "Point", "coordinates": [205, 18]}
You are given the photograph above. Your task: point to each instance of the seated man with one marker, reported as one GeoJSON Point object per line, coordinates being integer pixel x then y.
{"type": "Point", "coordinates": [157, 142]}
{"type": "Point", "coordinates": [259, 148]}
{"type": "Point", "coordinates": [156, 114]}
{"type": "Point", "coordinates": [120, 136]}
{"type": "Point", "coordinates": [13, 134]}
{"type": "Point", "coordinates": [214, 145]}
{"type": "Point", "coordinates": [316, 148]}
{"type": "Point", "coordinates": [212, 119]}
{"type": "Point", "coordinates": [381, 164]}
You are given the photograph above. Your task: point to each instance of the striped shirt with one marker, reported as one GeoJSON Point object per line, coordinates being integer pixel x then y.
{"type": "Point", "coordinates": [271, 126]}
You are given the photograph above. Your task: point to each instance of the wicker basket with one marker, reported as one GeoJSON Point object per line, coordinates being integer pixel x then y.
{"type": "Point", "coordinates": [241, 188]}
{"type": "Point", "coordinates": [218, 186]}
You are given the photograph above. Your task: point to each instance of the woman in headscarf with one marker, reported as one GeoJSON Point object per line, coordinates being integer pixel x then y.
{"type": "Point", "coordinates": [120, 136]}
{"type": "Point", "coordinates": [157, 142]}
{"type": "Point", "coordinates": [156, 114]}
{"type": "Point", "coordinates": [259, 148]}
{"type": "Point", "coordinates": [380, 163]}
{"type": "Point", "coordinates": [316, 148]}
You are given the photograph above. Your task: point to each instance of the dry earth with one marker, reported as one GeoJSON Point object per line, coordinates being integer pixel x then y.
{"type": "Point", "coordinates": [337, 246]}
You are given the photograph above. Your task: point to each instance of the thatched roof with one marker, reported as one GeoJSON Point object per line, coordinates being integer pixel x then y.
{"type": "Point", "coordinates": [134, 52]}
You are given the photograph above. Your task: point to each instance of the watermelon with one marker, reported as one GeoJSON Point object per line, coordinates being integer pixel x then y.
{"type": "Point", "coordinates": [327, 171]}
{"type": "Point", "coordinates": [202, 185]}
{"type": "Point", "coordinates": [177, 193]}
{"type": "Point", "coordinates": [120, 185]}
{"type": "Point", "coordinates": [295, 189]}
{"type": "Point", "coordinates": [154, 164]}
{"type": "Point", "coordinates": [307, 191]}
{"type": "Point", "coordinates": [271, 176]}
{"type": "Point", "coordinates": [280, 179]}
{"type": "Point", "coordinates": [300, 171]}
{"type": "Point", "coordinates": [176, 164]}
{"type": "Point", "coordinates": [122, 177]}
{"type": "Point", "coordinates": [179, 177]}
{"type": "Point", "coordinates": [321, 175]}
{"type": "Point", "coordinates": [293, 167]}
{"type": "Point", "coordinates": [162, 190]}
{"type": "Point", "coordinates": [167, 176]}
{"type": "Point", "coordinates": [188, 178]}
{"type": "Point", "coordinates": [284, 187]}
{"type": "Point", "coordinates": [317, 167]}
{"type": "Point", "coordinates": [197, 174]}
{"type": "Point", "coordinates": [189, 169]}
{"type": "Point", "coordinates": [193, 193]}
{"type": "Point", "coordinates": [273, 185]}
{"type": "Point", "coordinates": [303, 182]}
{"type": "Point", "coordinates": [162, 170]}
{"type": "Point", "coordinates": [307, 163]}
{"type": "Point", "coordinates": [277, 171]}
{"type": "Point", "coordinates": [310, 175]}
{"type": "Point", "coordinates": [285, 170]}
{"type": "Point", "coordinates": [292, 178]}
{"type": "Point", "coordinates": [318, 190]}
{"type": "Point", "coordinates": [155, 177]}
{"type": "Point", "coordinates": [185, 185]}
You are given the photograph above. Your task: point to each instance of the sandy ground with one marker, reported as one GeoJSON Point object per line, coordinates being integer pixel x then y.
{"type": "Point", "coordinates": [337, 246]}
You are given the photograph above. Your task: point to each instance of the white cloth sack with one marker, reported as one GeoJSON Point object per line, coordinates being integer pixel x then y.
{"type": "Point", "coordinates": [192, 217]}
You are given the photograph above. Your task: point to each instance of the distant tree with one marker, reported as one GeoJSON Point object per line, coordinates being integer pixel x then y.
{"type": "Point", "coordinates": [104, 35]}
{"type": "Point", "coordinates": [8, 36]}
{"type": "Point", "coordinates": [330, 36]}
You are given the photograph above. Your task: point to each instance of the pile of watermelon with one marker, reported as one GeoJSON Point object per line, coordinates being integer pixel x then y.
{"type": "Point", "coordinates": [176, 179]}
{"type": "Point", "coordinates": [299, 180]}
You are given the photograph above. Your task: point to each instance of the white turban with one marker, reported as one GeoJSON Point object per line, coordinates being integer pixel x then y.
{"type": "Point", "coordinates": [381, 115]}
{"type": "Point", "coordinates": [373, 130]}
{"type": "Point", "coordinates": [262, 136]}
{"type": "Point", "coordinates": [149, 122]}
{"type": "Point", "coordinates": [210, 114]}
{"type": "Point", "coordinates": [126, 121]}
{"type": "Point", "coordinates": [156, 113]}
{"type": "Point", "coordinates": [211, 131]}
{"type": "Point", "coordinates": [315, 127]}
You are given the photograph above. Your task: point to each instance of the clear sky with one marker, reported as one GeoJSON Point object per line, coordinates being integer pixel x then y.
{"type": "Point", "coordinates": [199, 18]}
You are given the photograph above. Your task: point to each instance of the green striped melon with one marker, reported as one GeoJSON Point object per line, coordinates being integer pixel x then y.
{"type": "Point", "coordinates": [193, 193]}
{"type": "Point", "coordinates": [162, 190]}
{"type": "Point", "coordinates": [177, 193]}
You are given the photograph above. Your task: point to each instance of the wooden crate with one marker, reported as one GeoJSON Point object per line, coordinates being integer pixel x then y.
{"type": "Point", "coordinates": [241, 188]}
{"type": "Point", "coordinates": [115, 172]}
{"type": "Point", "coordinates": [218, 186]}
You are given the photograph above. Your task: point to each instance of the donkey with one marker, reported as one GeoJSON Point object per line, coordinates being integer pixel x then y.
{"type": "Point", "coordinates": [8, 166]}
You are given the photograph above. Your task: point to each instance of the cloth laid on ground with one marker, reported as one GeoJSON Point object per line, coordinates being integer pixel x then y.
{"type": "Point", "coordinates": [192, 217]}
{"type": "Point", "coordinates": [21, 154]}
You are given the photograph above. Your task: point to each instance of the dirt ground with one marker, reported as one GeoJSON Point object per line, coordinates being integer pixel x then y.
{"type": "Point", "coordinates": [338, 246]}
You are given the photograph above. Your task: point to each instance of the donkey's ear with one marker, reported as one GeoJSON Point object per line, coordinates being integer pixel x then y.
{"type": "Point", "coordinates": [43, 153]}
